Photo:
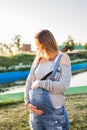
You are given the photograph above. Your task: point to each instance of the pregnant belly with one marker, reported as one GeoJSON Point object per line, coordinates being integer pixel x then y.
{"type": "Point", "coordinates": [40, 98]}
{"type": "Point", "coordinates": [37, 97]}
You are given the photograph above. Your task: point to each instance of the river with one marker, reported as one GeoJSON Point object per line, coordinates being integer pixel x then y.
{"type": "Point", "coordinates": [76, 81]}
{"type": "Point", "coordinates": [79, 80]}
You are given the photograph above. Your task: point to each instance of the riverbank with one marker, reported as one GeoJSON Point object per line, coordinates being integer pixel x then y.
{"type": "Point", "coordinates": [15, 117]}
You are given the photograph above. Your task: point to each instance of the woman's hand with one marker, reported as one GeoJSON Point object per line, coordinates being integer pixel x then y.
{"type": "Point", "coordinates": [35, 84]}
{"type": "Point", "coordinates": [34, 109]}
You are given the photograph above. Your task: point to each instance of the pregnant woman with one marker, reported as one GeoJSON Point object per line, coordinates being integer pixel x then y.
{"type": "Point", "coordinates": [49, 78]}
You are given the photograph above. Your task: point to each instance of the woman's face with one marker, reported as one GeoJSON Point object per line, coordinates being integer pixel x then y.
{"type": "Point", "coordinates": [39, 46]}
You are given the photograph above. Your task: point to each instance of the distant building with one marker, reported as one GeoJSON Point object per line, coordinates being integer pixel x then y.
{"type": "Point", "coordinates": [26, 47]}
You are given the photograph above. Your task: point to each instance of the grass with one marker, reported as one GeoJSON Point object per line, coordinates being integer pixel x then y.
{"type": "Point", "coordinates": [16, 59]}
{"type": "Point", "coordinates": [25, 59]}
{"type": "Point", "coordinates": [15, 116]}
{"type": "Point", "coordinates": [76, 90]}
{"type": "Point", "coordinates": [77, 109]}
{"type": "Point", "coordinates": [7, 99]}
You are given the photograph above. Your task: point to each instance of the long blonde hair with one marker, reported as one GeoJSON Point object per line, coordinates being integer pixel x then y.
{"type": "Point", "coordinates": [46, 38]}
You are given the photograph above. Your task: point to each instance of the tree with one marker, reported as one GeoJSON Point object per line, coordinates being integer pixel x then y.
{"type": "Point", "coordinates": [17, 43]}
{"type": "Point", "coordinates": [69, 44]}
{"type": "Point", "coordinates": [1, 47]}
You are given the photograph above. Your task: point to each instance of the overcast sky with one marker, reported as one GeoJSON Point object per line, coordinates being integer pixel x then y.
{"type": "Point", "coordinates": [26, 17]}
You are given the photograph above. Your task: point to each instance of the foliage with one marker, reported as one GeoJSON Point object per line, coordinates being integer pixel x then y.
{"type": "Point", "coordinates": [83, 54]}
{"type": "Point", "coordinates": [25, 59]}
{"type": "Point", "coordinates": [85, 46]}
{"type": "Point", "coordinates": [78, 55]}
{"type": "Point", "coordinates": [17, 43]}
{"type": "Point", "coordinates": [69, 43]}
{"type": "Point", "coordinates": [14, 47]}
{"type": "Point", "coordinates": [4, 48]}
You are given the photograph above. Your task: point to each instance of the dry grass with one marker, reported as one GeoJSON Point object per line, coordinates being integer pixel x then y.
{"type": "Point", "coordinates": [15, 117]}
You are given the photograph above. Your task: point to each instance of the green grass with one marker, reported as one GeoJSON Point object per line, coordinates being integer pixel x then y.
{"type": "Point", "coordinates": [76, 90]}
{"type": "Point", "coordinates": [12, 60]}
{"type": "Point", "coordinates": [16, 59]}
{"type": "Point", "coordinates": [12, 96]}
{"type": "Point", "coordinates": [19, 97]}
{"type": "Point", "coordinates": [7, 99]}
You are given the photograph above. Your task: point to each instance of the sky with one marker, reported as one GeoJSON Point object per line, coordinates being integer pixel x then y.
{"type": "Point", "coordinates": [26, 17]}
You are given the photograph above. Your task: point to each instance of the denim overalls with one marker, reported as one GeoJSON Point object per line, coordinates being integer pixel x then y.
{"type": "Point", "coordinates": [53, 119]}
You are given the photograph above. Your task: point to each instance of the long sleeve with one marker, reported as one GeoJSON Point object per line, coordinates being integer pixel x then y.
{"type": "Point", "coordinates": [27, 88]}
{"type": "Point", "coordinates": [58, 86]}
{"type": "Point", "coordinates": [29, 82]}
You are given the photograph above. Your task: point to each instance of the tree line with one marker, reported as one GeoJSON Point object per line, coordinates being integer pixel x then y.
{"type": "Point", "coordinates": [16, 45]}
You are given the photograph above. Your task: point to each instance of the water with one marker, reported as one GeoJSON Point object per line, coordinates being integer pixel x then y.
{"type": "Point", "coordinates": [79, 80]}
{"type": "Point", "coordinates": [76, 81]}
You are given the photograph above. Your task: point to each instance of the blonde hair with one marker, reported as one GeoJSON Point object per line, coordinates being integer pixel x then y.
{"type": "Point", "coordinates": [47, 40]}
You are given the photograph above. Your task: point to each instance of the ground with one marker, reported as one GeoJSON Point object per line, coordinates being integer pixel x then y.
{"type": "Point", "coordinates": [15, 117]}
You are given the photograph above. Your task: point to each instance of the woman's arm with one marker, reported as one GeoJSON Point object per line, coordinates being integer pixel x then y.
{"type": "Point", "coordinates": [27, 88]}
{"type": "Point", "coordinates": [26, 91]}
{"type": "Point", "coordinates": [29, 83]}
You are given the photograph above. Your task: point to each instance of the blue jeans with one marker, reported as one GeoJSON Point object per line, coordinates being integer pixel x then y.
{"type": "Point", "coordinates": [53, 119]}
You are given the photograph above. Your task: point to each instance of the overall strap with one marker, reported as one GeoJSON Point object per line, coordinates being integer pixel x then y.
{"type": "Point", "coordinates": [56, 67]}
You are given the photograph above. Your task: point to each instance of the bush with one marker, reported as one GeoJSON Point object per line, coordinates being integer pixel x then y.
{"type": "Point", "coordinates": [13, 60]}
{"type": "Point", "coordinates": [83, 54]}
{"type": "Point", "coordinates": [78, 55]}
